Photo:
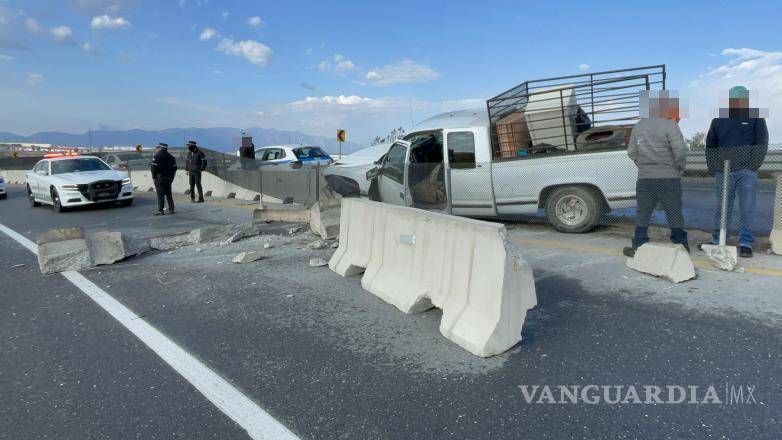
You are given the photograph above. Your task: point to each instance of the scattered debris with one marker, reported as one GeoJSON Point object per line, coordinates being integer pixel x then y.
{"type": "Point", "coordinates": [109, 247]}
{"type": "Point", "coordinates": [18, 265]}
{"type": "Point", "coordinates": [324, 219]}
{"type": "Point", "coordinates": [63, 249]}
{"type": "Point", "coordinates": [247, 257]}
{"type": "Point", "coordinates": [665, 260]}
{"type": "Point", "coordinates": [293, 231]}
{"type": "Point", "coordinates": [320, 244]}
{"type": "Point", "coordinates": [318, 262]}
{"type": "Point", "coordinates": [267, 246]}
{"type": "Point", "coordinates": [335, 245]}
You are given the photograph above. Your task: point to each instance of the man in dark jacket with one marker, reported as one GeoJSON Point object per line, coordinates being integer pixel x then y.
{"type": "Point", "coordinates": [163, 169]}
{"type": "Point", "coordinates": [196, 164]}
{"type": "Point", "coordinates": [739, 134]}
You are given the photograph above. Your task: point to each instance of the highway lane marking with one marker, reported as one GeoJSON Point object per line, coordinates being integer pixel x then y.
{"type": "Point", "coordinates": [259, 424]}
{"type": "Point", "coordinates": [600, 250]}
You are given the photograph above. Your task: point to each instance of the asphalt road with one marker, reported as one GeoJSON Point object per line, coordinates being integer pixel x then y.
{"type": "Point", "coordinates": [329, 360]}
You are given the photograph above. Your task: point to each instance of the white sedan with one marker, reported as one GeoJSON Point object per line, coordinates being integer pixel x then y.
{"type": "Point", "coordinates": [66, 181]}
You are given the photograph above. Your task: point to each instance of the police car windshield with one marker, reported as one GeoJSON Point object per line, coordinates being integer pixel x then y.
{"type": "Point", "coordinates": [80, 165]}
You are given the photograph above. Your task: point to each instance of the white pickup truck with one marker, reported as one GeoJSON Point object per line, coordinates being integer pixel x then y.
{"type": "Point", "coordinates": [534, 148]}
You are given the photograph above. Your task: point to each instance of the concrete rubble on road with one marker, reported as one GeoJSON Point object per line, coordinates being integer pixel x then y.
{"type": "Point", "coordinates": [414, 260]}
{"type": "Point", "coordinates": [247, 257]}
{"type": "Point", "coordinates": [666, 260]}
{"type": "Point", "coordinates": [69, 249]}
{"type": "Point", "coordinates": [319, 244]}
{"type": "Point", "coordinates": [63, 249]}
{"type": "Point", "coordinates": [324, 219]}
{"type": "Point", "coordinates": [318, 262]}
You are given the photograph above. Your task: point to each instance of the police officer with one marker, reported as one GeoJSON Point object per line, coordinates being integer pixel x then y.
{"type": "Point", "coordinates": [163, 169]}
{"type": "Point", "coordinates": [196, 164]}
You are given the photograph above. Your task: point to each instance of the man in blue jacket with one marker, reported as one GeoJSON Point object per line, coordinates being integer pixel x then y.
{"type": "Point", "coordinates": [741, 136]}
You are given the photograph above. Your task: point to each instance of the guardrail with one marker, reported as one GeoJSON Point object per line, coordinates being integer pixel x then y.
{"type": "Point", "coordinates": [696, 163]}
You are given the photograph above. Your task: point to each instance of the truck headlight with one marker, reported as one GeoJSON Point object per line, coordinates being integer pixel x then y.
{"type": "Point", "coordinates": [126, 181]}
{"type": "Point", "coordinates": [73, 187]}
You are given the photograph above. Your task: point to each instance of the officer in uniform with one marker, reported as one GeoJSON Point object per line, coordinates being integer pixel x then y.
{"type": "Point", "coordinates": [163, 169]}
{"type": "Point", "coordinates": [196, 164]}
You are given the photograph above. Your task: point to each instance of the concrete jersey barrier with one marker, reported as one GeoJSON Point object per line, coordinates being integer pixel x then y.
{"type": "Point", "coordinates": [416, 259]}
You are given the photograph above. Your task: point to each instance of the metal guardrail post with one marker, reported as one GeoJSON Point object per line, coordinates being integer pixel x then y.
{"type": "Point", "coordinates": [724, 206]}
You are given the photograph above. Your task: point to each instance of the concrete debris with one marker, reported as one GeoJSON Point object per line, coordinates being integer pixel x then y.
{"type": "Point", "coordinates": [293, 231]}
{"type": "Point", "coordinates": [320, 244]}
{"type": "Point", "coordinates": [289, 213]}
{"type": "Point", "coordinates": [247, 257]}
{"type": "Point", "coordinates": [18, 265]}
{"type": "Point", "coordinates": [724, 257]}
{"type": "Point", "coordinates": [168, 242]}
{"type": "Point", "coordinates": [335, 245]}
{"type": "Point", "coordinates": [267, 246]}
{"type": "Point", "coordinates": [666, 260]}
{"type": "Point", "coordinates": [324, 219]}
{"type": "Point", "coordinates": [63, 249]}
{"type": "Point", "coordinates": [108, 247]}
{"type": "Point", "coordinates": [318, 262]}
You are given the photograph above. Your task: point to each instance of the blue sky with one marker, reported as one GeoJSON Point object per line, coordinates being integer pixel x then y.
{"type": "Point", "coordinates": [364, 66]}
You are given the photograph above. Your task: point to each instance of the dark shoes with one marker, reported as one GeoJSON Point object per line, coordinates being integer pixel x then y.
{"type": "Point", "coordinates": [745, 252]}
{"type": "Point", "coordinates": [196, 201]}
{"type": "Point", "coordinates": [201, 200]}
{"type": "Point", "coordinates": [628, 252]}
{"type": "Point", "coordinates": [160, 213]}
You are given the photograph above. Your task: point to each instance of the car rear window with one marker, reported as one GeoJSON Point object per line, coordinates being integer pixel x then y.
{"type": "Point", "coordinates": [78, 166]}
{"type": "Point", "coordinates": [309, 152]}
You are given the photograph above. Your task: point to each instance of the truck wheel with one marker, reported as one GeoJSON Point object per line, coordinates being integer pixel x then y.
{"type": "Point", "coordinates": [30, 197]}
{"type": "Point", "coordinates": [573, 210]}
{"type": "Point", "coordinates": [56, 204]}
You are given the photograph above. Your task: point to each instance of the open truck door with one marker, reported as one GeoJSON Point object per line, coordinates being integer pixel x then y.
{"type": "Point", "coordinates": [391, 179]}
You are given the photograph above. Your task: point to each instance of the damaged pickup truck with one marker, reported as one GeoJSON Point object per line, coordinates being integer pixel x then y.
{"type": "Point", "coordinates": [557, 145]}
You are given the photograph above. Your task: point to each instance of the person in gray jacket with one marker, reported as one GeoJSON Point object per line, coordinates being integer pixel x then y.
{"type": "Point", "coordinates": [659, 151]}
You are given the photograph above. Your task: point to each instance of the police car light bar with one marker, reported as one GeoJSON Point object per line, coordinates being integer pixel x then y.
{"type": "Point", "coordinates": [53, 155]}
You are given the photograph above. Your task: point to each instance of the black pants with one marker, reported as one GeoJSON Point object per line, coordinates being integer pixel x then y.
{"type": "Point", "coordinates": [163, 189]}
{"type": "Point", "coordinates": [667, 192]}
{"type": "Point", "coordinates": [195, 182]}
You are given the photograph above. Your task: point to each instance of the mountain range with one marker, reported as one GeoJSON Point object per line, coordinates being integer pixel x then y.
{"type": "Point", "coordinates": [217, 138]}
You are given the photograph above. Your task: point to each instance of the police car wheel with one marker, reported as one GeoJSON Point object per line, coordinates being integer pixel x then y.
{"type": "Point", "coordinates": [33, 203]}
{"type": "Point", "coordinates": [56, 201]}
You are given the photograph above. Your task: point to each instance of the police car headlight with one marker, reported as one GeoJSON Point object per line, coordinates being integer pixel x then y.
{"type": "Point", "coordinates": [126, 181]}
{"type": "Point", "coordinates": [74, 187]}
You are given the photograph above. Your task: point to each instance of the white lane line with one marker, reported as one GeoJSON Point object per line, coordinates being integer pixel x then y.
{"type": "Point", "coordinates": [233, 403]}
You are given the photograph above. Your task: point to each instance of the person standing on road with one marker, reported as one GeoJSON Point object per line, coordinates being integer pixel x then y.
{"type": "Point", "coordinates": [741, 136]}
{"type": "Point", "coordinates": [163, 169]}
{"type": "Point", "coordinates": [196, 164]}
{"type": "Point", "coordinates": [658, 149]}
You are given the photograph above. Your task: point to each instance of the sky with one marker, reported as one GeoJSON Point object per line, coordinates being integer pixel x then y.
{"type": "Point", "coordinates": [367, 67]}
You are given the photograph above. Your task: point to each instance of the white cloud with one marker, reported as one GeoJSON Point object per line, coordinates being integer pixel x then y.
{"type": "Point", "coordinates": [315, 102]}
{"type": "Point", "coordinates": [404, 72]}
{"type": "Point", "coordinates": [32, 25]}
{"type": "Point", "coordinates": [255, 21]}
{"type": "Point", "coordinates": [88, 47]}
{"type": "Point", "coordinates": [207, 34]}
{"type": "Point", "coordinates": [339, 64]}
{"type": "Point", "coordinates": [6, 57]}
{"type": "Point", "coordinates": [62, 35]}
{"type": "Point", "coordinates": [253, 51]}
{"type": "Point", "coordinates": [583, 66]}
{"type": "Point", "coordinates": [225, 14]}
{"type": "Point", "coordinates": [109, 23]}
{"type": "Point", "coordinates": [35, 78]}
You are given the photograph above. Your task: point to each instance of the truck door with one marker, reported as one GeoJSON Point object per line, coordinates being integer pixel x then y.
{"type": "Point", "coordinates": [468, 157]}
{"type": "Point", "coordinates": [392, 181]}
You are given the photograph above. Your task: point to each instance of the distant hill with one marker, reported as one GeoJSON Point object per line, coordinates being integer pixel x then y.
{"type": "Point", "coordinates": [218, 138]}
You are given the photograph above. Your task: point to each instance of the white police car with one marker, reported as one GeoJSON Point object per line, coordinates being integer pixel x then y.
{"type": "Point", "coordinates": [3, 193]}
{"type": "Point", "coordinates": [300, 154]}
{"type": "Point", "coordinates": [69, 180]}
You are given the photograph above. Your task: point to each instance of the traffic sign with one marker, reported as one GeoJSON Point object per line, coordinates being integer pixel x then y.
{"type": "Point", "coordinates": [138, 148]}
{"type": "Point", "coordinates": [341, 135]}
{"type": "Point", "coordinates": [15, 154]}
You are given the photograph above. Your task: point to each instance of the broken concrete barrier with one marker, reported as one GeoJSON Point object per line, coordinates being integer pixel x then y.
{"type": "Point", "coordinates": [282, 212]}
{"type": "Point", "coordinates": [356, 226]}
{"type": "Point", "coordinates": [324, 219]}
{"type": "Point", "coordinates": [108, 247]}
{"type": "Point", "coordinates": [417, 259]}
{"type": "Point", "coordinates": [63, 249]}
{"type": "Point", "coordinates": [168, 242]}
{"type": "Point", "coordinates": [247, 257]}
{"type": "Point", "coordinates": [666, 260]}
{"type": "Point", "coordinates": [318, 262]}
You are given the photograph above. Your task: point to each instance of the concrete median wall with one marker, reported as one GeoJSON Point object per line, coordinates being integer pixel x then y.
{"type": "Point", "coordinates": [417, 259]}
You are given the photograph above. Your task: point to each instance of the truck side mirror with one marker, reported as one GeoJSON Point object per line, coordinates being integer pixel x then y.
{"type": "Point", "coordinates": [373, 173]}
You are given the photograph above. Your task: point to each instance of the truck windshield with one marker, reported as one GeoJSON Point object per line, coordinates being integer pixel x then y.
{"type": "Point", "coordinates": [80, 165]}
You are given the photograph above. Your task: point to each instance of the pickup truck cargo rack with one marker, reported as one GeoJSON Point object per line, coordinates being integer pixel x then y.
{"type": "Point", "coordinates": [568, 114]}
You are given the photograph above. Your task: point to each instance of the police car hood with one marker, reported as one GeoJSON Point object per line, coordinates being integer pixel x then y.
{"type": "Point", "coordinates": [87, 177]}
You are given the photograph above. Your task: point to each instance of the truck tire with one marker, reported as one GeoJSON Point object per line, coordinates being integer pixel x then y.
{"type": "Point", "coordinates": [30, 197]}
{"type": "Point", "coordinates": [573, 209]}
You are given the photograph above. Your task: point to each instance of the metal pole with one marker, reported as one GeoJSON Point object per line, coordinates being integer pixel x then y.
{"type": "Point", "coordinates": [724, 208]}
{"type": "Point", "coordinates": [317, 182]}
{"type": "Point", "coordinates": [260, 179]}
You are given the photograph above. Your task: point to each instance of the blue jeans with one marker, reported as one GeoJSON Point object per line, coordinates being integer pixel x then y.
{"type": "Point", "coordinates": [745, 183]}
